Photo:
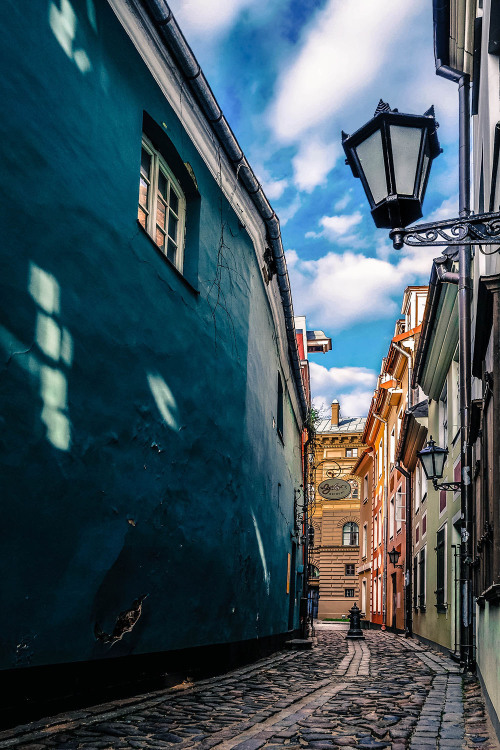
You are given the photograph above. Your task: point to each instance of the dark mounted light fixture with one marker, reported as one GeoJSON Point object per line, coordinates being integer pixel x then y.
{"type": "Point", "coordinates": [392, 156]}
{"type": "Point", "coordinates": [394, 556]}
{"type": "Point", "coordinates": [433, 458]}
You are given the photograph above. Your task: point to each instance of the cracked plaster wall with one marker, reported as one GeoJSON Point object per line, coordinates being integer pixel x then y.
{"type": "Point", "coordinates": [163, 495]}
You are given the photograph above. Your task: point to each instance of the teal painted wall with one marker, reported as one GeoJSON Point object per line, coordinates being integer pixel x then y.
{"type": "Point", "coordinates": [137, 447]}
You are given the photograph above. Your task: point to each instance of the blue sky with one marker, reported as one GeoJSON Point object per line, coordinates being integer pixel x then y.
{"type": "Point", "coordinates": [289, 76]}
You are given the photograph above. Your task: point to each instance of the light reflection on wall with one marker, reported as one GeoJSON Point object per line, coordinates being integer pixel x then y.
{"type": "Point", "coordinates": [267, 575]}
{"type": "Point", "coordinates": [48, 357]}
{"type": "Point", "coordinates": [165, 400]}
{"type": "Point", "coordinates": [56, 344]}
{"type": "Point", "coordinates": [64, 24]}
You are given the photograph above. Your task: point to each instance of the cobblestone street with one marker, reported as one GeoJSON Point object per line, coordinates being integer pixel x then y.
{"type": "Point", "coordinates": [384, 692]}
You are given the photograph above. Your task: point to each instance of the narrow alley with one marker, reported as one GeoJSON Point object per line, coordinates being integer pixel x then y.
{"type": "Point", "coordinates": [382, 692]}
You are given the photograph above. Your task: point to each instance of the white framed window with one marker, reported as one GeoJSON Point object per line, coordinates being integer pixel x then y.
{"type": "Point", "coordinates": [350, 534]}
{"type": "Point", "coordinates": [162, 205]}
{"type": "Point", "coordinates": [391, 518]}
{"type": "Point", "coordinates": [365, 488]}
{"type": "Point", "coordinates": [400, 508]}
{"type": "Point", "coordinates": [365, 540]}
{"type": "Point", "coordinates": [392, 446]}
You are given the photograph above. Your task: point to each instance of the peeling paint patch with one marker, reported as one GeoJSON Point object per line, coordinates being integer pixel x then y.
{"type": "Point", "coordinates": [125, 623]}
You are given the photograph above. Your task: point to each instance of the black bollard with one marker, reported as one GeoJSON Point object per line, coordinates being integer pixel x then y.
{"type": "Point", "coordinates": [355, 631]}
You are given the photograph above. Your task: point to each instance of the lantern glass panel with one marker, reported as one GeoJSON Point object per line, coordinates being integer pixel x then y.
{"type": "Point", "coordinates": [371, 156]}
{"type": "Point", "coordinates": [427, 460]}
{"type": "Point", "coordinates": [439, 460]}
{"type": "Point", "coordinates": [405, 153]}
{"type": "Point", "coordinates": [425, 169]}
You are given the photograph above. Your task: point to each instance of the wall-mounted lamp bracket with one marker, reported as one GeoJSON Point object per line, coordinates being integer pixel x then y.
{"type": "Point", "coordinates": [481, 229]}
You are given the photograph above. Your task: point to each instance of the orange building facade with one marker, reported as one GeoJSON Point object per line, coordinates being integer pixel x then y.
{"type": "Point", "coordinates": [385, 498]}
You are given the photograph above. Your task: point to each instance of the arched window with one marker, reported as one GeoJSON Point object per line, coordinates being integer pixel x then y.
{"type": "Point", "coordinates": [313, 571]}
{"type": "Point", "coordinates": [350, 534]}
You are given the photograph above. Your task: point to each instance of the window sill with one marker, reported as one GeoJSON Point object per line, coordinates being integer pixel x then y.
{"type": "Point", "coordinates": [169, 263]}
{"type": "Point", "coordinates": [492, 594]}
{"type": "Point", "coordinates": [280, 435]}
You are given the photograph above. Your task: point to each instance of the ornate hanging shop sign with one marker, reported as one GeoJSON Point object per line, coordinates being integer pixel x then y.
{"type": "Point", "coordinates": [334, 489]}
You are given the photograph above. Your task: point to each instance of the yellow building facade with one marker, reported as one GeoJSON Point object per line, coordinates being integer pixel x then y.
{"type": "Point", "coordinates": [335, 553]}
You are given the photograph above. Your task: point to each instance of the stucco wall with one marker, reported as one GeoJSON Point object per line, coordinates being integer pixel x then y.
{"type": "Point", "coordinates": [139, 453]}
{"type": "Point", "coordinates": [488, 657]}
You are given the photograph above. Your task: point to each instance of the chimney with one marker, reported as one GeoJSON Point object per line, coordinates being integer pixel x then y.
{"type": "Point", "coordinates": [335, 413]}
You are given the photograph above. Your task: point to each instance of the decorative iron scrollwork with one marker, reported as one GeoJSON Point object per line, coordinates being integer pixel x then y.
{"type": "Point", "coordinates": [483, 229]}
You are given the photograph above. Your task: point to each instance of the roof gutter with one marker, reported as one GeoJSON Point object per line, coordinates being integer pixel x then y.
{"type": "Point", "coordinates": [173, 37]}
{"type": "Point", "coordinates": [439, 275]}
{"type": "Point", "coordinates": [441, 23]}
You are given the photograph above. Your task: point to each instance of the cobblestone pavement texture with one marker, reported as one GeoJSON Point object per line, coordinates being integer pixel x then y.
{"type": "Point", "coordinates": [383, 692]}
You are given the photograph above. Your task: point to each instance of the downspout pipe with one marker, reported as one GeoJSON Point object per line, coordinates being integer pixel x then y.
{"type": "Point", "coordinates": [465, 349]}
{"type": "Point", "coordinates": [408, 553]}
{"type": "Point", "coordinates": [386, 520]}
{"type": "Point", "coordinates": [441, 19]}
{"type": "Point", "coordinates": [304, 601]}
{"type": "Point", "coordinates": [173, 37]}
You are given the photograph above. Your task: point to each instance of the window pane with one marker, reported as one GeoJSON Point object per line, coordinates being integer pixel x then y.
{"type": "Point", "coordinates": [160, 213]}
{"type": "Point", "coordinates": [162, 184]}
{"type": "Point", "coordinates": [143, 193]}
{"type": "Point", "coordinates": [172, 226]}
{"type": "Point", "coordinates": [171, 251]}
{"type": "Point", "coordinates": [142, 217]}
{"type": "Point", "coordinates": [160, 238]}
{"type": "Point", "coordinates": [145, 163]}
{"type": "Point", "coordinates": [371, 156]}
{"type": "Point", "coordinates": [405, 151]}
{"type": "Point", "coordinates": [174, 202]}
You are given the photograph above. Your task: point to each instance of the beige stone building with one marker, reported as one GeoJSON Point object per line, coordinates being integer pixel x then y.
{"type": "Point", "coordinates": [335, 554]}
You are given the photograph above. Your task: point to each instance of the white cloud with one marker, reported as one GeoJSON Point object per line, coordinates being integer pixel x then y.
{"type": "Point", "coordinates": [341, 289]}
{"type": "Point", "coordinates": [343, 202]}
{"type": "Point", "coordinates": [447, 210]}
{"type": "Point", "coordinates": [197, 17]}
{"type": "Point", "coordinates": [344, 50]}
{"type": "Point", "coordinates": [314, 160]}
{"type": "Point", "coordinates": [352, 386]}
{"type": "Point", "coordinates": [273, 189]}
{"type": "Point", "coordinates": [289, 212]}
{"type": "Point", "coordinates": [340, 378]}
{"type": "Point", "coordinates": [337, 225]}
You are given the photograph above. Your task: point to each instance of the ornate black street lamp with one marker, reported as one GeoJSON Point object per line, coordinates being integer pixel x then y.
{"type": "Point", "coordinates": [392, 155]}
{"type": "Point", "coordinates": [433, 458]}
{"type": "Point", "coordinates": [394, 556]}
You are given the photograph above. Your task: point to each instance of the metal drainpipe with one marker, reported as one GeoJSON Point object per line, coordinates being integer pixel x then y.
{"type": "Point", "coordinates": [304, 603]}
{"type": "Point", "coordinates": [464, 307]}
{"type": "Point", "coordinates": [408, 554]}
{"type": "Point", "coordinates": [386, 522]}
